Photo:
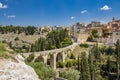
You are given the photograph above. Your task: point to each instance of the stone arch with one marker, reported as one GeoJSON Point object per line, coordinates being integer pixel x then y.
{"type": "Point", "coordinates": [40, 58]}
{"type": "Point", "coordinates": [48, 58]}
{"type": "Point", "coordinates": [59, 57]}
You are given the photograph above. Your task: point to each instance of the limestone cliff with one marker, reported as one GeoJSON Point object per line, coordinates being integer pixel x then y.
{"type": "Point", "coordinates": [16, 69]}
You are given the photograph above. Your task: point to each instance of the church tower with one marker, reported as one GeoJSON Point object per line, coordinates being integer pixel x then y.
{"type": "Point", "coordinates": [113, 19]}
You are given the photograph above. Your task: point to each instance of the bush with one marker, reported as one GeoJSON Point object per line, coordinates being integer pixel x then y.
{"type": "Point", "coordinates": [4, 41]}
{"type": "Point", "coordinates": [70, 63]}
{"type": "Point", "coordinates": [39, 59]}
{"type": "Point", "coordinates": [90, 38]}
{"type": "Point", "coordinates": [71, 74]}
{"type": "Point", "coordinates": [75, 62]}
{"type": "Point", "coordinates": [66, 42]}
{"type": "Point", "coordinates": [72, 56]}
{"type": "Point", "coordinates": [53, 47]}
{"type": "Point", "coordinates": [94, 33]}
{"type": "Point", "coordinates": [54, 39]}
{"type": "Point", "coordinates": [60, 64]}
{"type": "Point", "coordinates": [16, 39]}
{"type": "Point", "coordinates": [44, 71]}
{"type": "Point", "coordinates": [84, 45]}
{"type": "Point", "coordinates": [3, 51]}
{"type": "Point", "coordinates": [48, 61]}
{"type": "Point", "coordinates": [31, 57]}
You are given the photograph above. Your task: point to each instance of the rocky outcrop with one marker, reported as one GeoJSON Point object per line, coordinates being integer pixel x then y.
{"type": "Point", "coordinates": [16, 70]}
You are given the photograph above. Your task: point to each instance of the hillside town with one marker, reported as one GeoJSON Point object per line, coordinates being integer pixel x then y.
{"type": "Point", "coordinates": [60, 47]}
{"type": "Point", "coordinates": [59, 40]}
{"type": "Point", "coordinates": [106, 33]}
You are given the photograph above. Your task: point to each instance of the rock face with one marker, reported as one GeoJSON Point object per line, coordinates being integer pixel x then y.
{"type": "Point", "coordinates": [16, 70]}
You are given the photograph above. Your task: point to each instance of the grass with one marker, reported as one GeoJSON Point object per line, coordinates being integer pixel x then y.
{"type": "Point", "coordinates": [3, 52]}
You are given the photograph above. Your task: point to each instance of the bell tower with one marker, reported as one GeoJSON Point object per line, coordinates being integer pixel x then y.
{"type": "Point", "coordinates": [113, 19]}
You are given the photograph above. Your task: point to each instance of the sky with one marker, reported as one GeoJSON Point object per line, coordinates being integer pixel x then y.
{"type": "Point", "coordinates": [57, 12]}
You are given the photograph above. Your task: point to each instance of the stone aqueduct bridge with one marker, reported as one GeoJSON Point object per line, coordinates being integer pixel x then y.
{"type": "Point", "coordinates": [54, 55]}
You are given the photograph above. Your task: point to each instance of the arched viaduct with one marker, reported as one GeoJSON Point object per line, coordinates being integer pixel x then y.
{"type": "Point", "coordinates": [54, 55]}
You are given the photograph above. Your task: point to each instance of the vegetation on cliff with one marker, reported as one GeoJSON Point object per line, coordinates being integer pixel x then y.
{"type": "Point", "coordinates": [55, 39]}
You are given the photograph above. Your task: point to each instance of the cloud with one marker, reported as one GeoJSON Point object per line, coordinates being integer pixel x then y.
{"type": "Point", "coordinates": [105, 8]}
{"type": "Point", "coordinates": [3, 6]}
{"type": "Point", "coordinates": [11, 16]}
{"type": "Point", "coordinates": [72, 17]}
{"type": "Point", "coordinates": [84, 11]}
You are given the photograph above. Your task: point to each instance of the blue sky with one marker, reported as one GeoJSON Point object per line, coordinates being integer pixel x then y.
{"type": "Point", "coordinates": [57, 12]}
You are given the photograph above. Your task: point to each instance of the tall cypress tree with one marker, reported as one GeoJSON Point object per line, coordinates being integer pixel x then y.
{"type": "Point", "coordinates": [97, 61]}
{"type": "Point", "coordinates": [85, 67]}
{"type": "Point", "coordinates": [78, 63]}
{"type": "Point", "coordinates": [91, 65]}
{"type": "Point", "coordinates": [117, 51]}
{"type": "Point", "coordinates": [108, 67]}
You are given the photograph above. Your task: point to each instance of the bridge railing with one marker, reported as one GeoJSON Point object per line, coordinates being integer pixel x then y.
{"type": "Point", "coordinates": [55, 50]}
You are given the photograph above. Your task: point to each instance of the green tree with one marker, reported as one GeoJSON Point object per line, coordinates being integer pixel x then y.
{"type": "Point", "coordinates": [71, 74]}
{"type": "Point", "coordinates": [91, 65]}
{"type": "Point", "coordinates": [52, 41]}
{"type": "Point", "coordinates": [17, 38]}
{"type": "Point", "coordinates": [32, 48]}
{"type": "Point", "coordinates": [44, 71]}
{"type": "Point", "coordinates": [96, 52]}
{"type": "Point", "coordinates": [72, 56]}
{"type": "Point", "coordinates": [10, 44]}
{"type": "Point", "coordinates": [60, 64]}
{"type": "Point", "coordinates": [117, 51]}
{"type": "Point", "coordinates": [97, 61]}
{"type": "Point", "coordinates": [39, 59]}
{"type": "Point", "coordinates": [68, 63]}
{"type": "Point", "coordinates": [79, 64]}
{"type": "Point", "coordinates": [90, 38]}
{"type": "Point", "coordinates": [31, 57]}
{"type": "Point", "coordinates": [94, 33]}
{"type": "Point", "coordinates": [85, 73]}
{"type": "Point", "coordinates": [105, 33]}
{"type": "Point", "coordinates": [110, 51]}
{"type": "Point", "coordinates": [108, 67]}
{"type": "Point", "coordinates": [30, 30]}
{"type": "Point", "coordinates": [84, 45]}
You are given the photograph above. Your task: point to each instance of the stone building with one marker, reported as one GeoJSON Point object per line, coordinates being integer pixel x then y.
{"type": "Point", "coordinates": [114, 24]}
{"type": "Point", "coordinates": [95, 24]}
{"type": "Point", "coordinates": [114, 37]}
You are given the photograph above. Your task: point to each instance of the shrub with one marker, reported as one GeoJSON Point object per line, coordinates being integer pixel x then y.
{"type": "Point", "coordinates": [48, 61]}
{"type": "Point", "coordinates": [31, 57]}
{"type": "Point", "coordinates": [3, 51]}
{"type": "Point", "coordinates": [39, 59]}
{"type": "Point", "coordinates": [68, 63]}
{"type": "Point", "coordinates": [4, 41]}
{"type": "Point", "coordinates": [94, 33]}
{"type": "Point", "coordinates": [44, 71]}
{"type": "Point", "coordinates": [53, 47]}
{"type": "Point", "coordinates": [84, 45]}
{"type": "Point", "coordinates": [66, 42]}
{"type": "Point", "coordinates": [72, 56]}
{"type": "Point", "coordinates": [71, 74]}
{"type": "Point", "coordinates": [16, 39]}
{"type": "Point", "coordinates": [60, 64]}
